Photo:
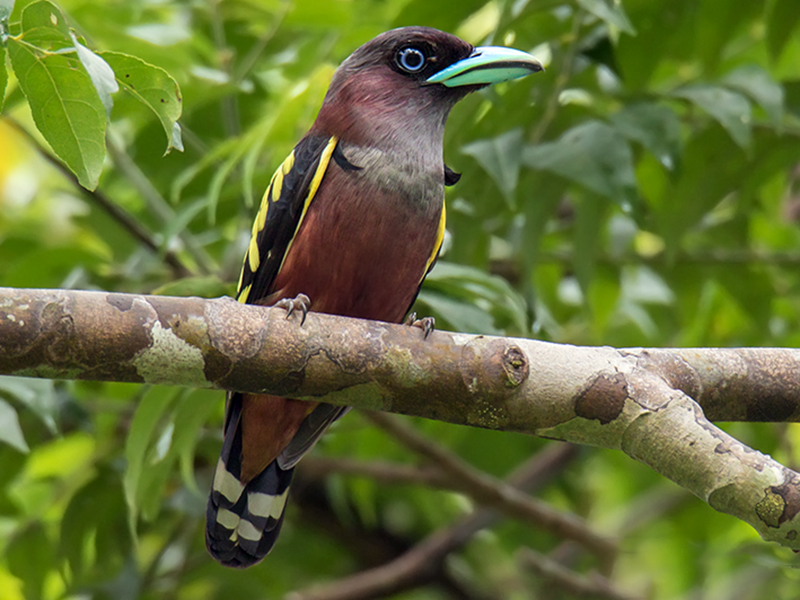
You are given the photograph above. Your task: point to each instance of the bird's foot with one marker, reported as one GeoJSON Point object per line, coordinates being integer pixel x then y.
{"type": "Point", "coordinates": [300, 302]}
{"type": "Point", "coordinates": [427, 324]}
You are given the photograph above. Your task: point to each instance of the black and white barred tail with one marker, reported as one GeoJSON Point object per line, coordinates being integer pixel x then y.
{"type": "Point", "coordinates": [243, 519]}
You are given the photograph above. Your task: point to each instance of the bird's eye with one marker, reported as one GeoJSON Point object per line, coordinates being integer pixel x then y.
{"type": "Point", "coordinates": [410, 59]}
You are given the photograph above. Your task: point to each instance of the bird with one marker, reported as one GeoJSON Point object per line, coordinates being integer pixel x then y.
{"type": "Point", "coordinates": [350, 224]}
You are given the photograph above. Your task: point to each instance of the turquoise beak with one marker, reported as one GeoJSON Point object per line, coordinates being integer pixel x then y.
{"type": "Point", "coordinates": [487, 65]}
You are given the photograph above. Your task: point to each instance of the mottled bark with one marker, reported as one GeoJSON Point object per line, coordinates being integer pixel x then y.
{"type": "Point", "coordinates": [655, 405]}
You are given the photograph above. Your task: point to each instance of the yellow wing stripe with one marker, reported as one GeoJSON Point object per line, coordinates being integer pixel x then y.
{"type": "Point", "coordinates": [273, 193]}
{"type": "Point", "coordinates": [438, 244]}
{"type": "Point", "coordinates": [242, 295]}
{"type": "Point", "coordinates": [324, 159]}
{"type": "Point", "coordinates": [253, 256]}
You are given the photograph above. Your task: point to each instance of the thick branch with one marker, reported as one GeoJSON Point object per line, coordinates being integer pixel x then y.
{"type": "Point", "coordinates": [644, 402]}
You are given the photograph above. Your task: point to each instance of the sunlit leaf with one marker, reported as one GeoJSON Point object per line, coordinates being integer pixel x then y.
{"type": "Point", "coordinates": [65, 106]}
{"type": "Point", "coordinates": [154, 88]}
{"type": "Point", "coordinates": [45, 26]}
{"type": "Point", "coordinates": [99, 72]}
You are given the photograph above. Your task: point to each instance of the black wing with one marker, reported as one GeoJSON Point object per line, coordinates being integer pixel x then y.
{"type": "Point", "coordinates": [283, 207]}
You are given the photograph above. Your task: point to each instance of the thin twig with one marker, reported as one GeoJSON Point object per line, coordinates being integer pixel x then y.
{"type": "Point", "coordinates": [562, 79]}
{"type": "Point", "coordinates": [319, 467]}
{"type": "Point", "coordinates": [570, 581]}
{"type": "Point", "coordinates": [732, 256]}
{"type": "Point", "coordinates": [120, 215]}
{"type": "Point", "coordinates": [423, 563]}
{"type": "Point", "coordinates": [249, 61]}
{"type": "Point", "coordinates": [493, 492]}
{"type": "Point", "coordinates": [157, 204]}
{"type": "Point", "coordinates": [230, 105]}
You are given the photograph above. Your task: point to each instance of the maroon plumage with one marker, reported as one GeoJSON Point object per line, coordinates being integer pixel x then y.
{"type": "Point", "coordinates": [353, 219]}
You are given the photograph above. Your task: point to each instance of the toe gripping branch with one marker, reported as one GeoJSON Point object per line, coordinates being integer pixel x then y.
{"type": "Point", "coordinates": [427, 324]}
{"type": "Point", "coordinates": [300, 302]}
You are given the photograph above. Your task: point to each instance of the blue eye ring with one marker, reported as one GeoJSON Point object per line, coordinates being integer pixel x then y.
{"type": "Point", "coordinates": [411, 59]}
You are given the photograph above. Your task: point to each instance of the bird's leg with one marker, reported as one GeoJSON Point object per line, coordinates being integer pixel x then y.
{"type": "Point", "coordinates": [300, 302]}
{"type": "Point", "coordinates": [427, 324]}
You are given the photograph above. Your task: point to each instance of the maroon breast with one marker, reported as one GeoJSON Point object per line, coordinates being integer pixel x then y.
{"type": "Point", "coordinates": [361, 250]}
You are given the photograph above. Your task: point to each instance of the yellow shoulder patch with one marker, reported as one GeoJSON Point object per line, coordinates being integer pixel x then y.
{"type": "Point", "coordinates": [438, 245]}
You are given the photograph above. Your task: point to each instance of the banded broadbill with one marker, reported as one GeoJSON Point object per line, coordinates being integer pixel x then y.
{"type": "Point", "coordinates": [353, 219]}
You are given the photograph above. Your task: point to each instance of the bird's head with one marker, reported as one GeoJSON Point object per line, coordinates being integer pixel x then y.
{"type": "Point", "coordinates": [409, 78]}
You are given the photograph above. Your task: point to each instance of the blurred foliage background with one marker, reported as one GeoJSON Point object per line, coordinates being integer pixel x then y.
{"type": "Point", "coordinates": [643, 191]}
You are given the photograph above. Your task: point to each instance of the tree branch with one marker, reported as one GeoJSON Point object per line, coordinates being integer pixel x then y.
{"type": "Point", "coordinates": [116, 212]}
{"type": "Point", "coordinates": [487, 490]}
{"type": "Point", "coordinates": [569, 581]}
{"type": "Point", "coordinates": [424, 562]}
{"type": "Point", "coordinates": [647, 403]}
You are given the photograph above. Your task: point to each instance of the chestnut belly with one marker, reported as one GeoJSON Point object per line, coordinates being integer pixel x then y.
{"type": "Point", "coordinates": [362, 256]}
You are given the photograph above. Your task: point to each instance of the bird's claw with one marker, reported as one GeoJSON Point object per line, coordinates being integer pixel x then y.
{"type": "Point", "coordinates": [427, 324]}
{"type": "Point", "coordinates": [300, 302]}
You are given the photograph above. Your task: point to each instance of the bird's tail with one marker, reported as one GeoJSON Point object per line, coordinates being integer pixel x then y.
{"type": "Point", "coordinates": [243, 519]}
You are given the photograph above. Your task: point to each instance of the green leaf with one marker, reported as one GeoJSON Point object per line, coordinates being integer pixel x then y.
{"type": "Point", "coordinates": [152, 87]}
{"type": "Point", "coordinates": [6, 7]}
{"type": "Point", "coordinates": [95, 518]}
{"type": "Point", "coordinates": [10, 431]}
{"type": "Point", "coordinates": [500, 158]}
{"type": "Point", "coordinates": [180, 221]}
{"type": "Point", "coordinates": [683, 202]}
{"type": "Point", "coordinates": [30, 557]}
{"type": "Point", "coordinates": [470, 298]}
{"type": "Point", "coordinates": [592, 154]}
{"type": "Point", "coordinates": [100, 73]}
{"type": "Point", "coordinates": [655, 127]}
{"type": "Point", "coordinates": [191, 414]}
{"type": "Point", "coordinates": [757, 83]}
{"type": "Point", "coordinates": [37, 394]}
{"type": "Point", "coordinates": [781, 21]}
{"type": "Point", "coordinates": [144, 429]}
{"type": "Point", "coordinates": [611, 13]}
{"type": "Point", "coordinates": [45, 26]}
{"type": "Point", "coordinates": [730, 109]}
{"type": "Point", "coordinates": [3, 74]}
{"type": "Point", "coordinates": [65, 106]}
{"type": "Point", "coordinates": [210, 286]}
{"type": "Point", "coordinates": [586, 239]}
{"type": "Point", "coordinates": [460, 315]}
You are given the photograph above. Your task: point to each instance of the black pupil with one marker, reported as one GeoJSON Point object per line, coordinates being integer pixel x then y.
{"type": "Point", "coordinates": [411, 59]}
